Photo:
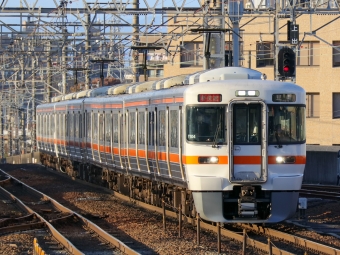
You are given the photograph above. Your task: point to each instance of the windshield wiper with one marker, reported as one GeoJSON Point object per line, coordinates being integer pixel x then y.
{"type": "Point", "coordinates": [215, 144]}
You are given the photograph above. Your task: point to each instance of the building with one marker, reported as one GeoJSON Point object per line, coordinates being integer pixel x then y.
{"type": "Point", "coordinates": [317, 71]}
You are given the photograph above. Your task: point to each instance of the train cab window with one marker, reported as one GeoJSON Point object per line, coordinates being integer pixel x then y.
{"type": "Point", "coordinates": [132, 127]}
{"type": "Point", "coordinates": [173, 128]}
{"type": "Point", "coordinates": [247, 124]}
{"type": "Point", "coordinates": [206, 124]}
{"type": "Point", "coordinates": [141, 127]}
{"type": "Point", "coordinates": [115, 127]}
{"type": "Point", "coordinates": [286, 124]}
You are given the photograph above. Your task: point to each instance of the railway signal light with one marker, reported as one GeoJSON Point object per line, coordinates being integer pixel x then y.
{"type": "Point", "coordinates": [286, 62]}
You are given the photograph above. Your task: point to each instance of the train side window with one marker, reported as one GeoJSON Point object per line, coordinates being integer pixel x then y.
{"type": "Point", "coordinates": [173, 128]}
{"type": "Point", "coordinates": [76, 115]}
{"type": "Point", "coordinates": [141, 127]}
{"type": "Point", "coordinates": [44, 128]}
{"type": "Point", "coordinates": [71, 124]}
{"type": "Point", "coordinates": [61, 128]}
{"type": "Point", "coordinates": [101, 126]}
{"type": "Point", "coordinates": [48, 124]}
{"type": "Point", "coordinates": [162, 128]}
{"type": "Point", "coordinates": [151, 128]}
{"type": "Point", "coordinates": [80, 126]}
{"type": "Point", "coordinates": [47, 129]}
{"type": "Point", "coordinates": [88, 124]}
{"type": "Point", "coordinates": [52, 124]}
{"type": "Point", "coordinates": [108, 127]}
{"type": "Point", "coordinates": [132, 127]}
{"type": "Point", "coordinates": [115, 127]}
{"type": "Point", "coordinates": [63, 125]}
{"type": "Point", "coordinates": [95, 126]}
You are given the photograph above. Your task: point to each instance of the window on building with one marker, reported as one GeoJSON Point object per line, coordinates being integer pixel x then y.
{"type": "Point", "coordinates": [312, 105]}
{"type": "Point", "coordinates": [336, 105]}
{"type": "Point", "coordinates": [309, 54]}
{"type": "Point", "coordinates": [192, 54]}
{"type": "Point", "coordinates": [264, 54]}
{"type": "Point", "coordinates": [336, 54]}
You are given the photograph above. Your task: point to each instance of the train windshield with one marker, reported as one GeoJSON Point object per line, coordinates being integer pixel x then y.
{"type": "Point", "coordinates": [286, 124]}
{"type": "Point", "coordinates": [206, 124]}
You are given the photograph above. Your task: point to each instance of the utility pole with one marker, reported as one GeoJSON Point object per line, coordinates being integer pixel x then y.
{"type": "Point", "coordinates": [87, 51]}
{"type": "Point", "coordinates": [33, 133]}
{"type": "Point", "coordinates": [235, 11]}
{"type": "Point", "coordinates": [49, 74]}
{"type": "Point", "coordinates": [135, 39]}
{"type": "Point", "coordinates": [1, 129]}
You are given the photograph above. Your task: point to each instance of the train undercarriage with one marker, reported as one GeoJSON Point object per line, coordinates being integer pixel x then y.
{"type": "Point", "coordinates": [139, 188]}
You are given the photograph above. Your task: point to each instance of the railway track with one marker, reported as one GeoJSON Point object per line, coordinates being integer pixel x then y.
{"type": "Point", "coordinates": [320, 191]}
{"type": "Point", "coordinates": [256, 238]}
{"type": "Point", "coordinates": [72, 233]}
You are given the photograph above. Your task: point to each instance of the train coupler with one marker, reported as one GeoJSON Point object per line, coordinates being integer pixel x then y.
{"type": "Point", "coordinates": [247, 204]}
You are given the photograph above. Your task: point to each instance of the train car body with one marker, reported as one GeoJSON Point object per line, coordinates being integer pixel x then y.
{"type": "Point", "coordinates": [223, 143]}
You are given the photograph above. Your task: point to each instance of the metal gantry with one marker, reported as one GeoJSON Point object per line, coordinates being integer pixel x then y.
{"type": "Point", "coordinates": [44, 48]}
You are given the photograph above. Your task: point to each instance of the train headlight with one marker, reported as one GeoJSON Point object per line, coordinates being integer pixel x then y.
{"type": "Point", "coordinates": [285, 159]}
{"type": "Point", "coordinates": [247, 93]}
{"type": "Point", "coordinates": [207, 160]}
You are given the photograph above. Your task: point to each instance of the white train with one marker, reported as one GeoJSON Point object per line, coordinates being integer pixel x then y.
{"type": "Point", "coordinates": [223, 143]}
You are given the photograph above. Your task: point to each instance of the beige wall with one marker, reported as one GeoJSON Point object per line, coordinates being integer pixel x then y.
{"type": "Point", "coordinates": [323, 79]}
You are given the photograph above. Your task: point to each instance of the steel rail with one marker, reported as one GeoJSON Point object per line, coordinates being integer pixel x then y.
{"type": "Point", "coordinates": [301, 242]}
{"type": "Point", "coordinates": [207, 226]}
{"type": "Point", "coordinates": [59, 237]}
{"type": "Point", "coordinates": [321, 187]}
{"type": "Point", "coordinates": [22, 227]}
{"type": "Point", "coordinates": [67, 244]}
{"type": "Point", "coordinates": [6, 221]}
{"type": "Point", "coordinates": [238, 237]}
{"type": "Point", "coordinates": [320, 194]}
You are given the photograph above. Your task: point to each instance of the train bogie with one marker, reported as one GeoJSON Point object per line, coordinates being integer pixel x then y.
{"type": "Point", "coordinates": [230, 147]}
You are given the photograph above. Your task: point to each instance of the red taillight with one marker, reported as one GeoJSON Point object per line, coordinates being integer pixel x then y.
{"type": "Point", "coordinates": [209, 97]}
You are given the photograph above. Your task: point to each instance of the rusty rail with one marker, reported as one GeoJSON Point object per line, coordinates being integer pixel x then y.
{"type": "Point", "coordinates": [298, 241]}
{"type": "Point", "coordinates": [206, 226]}
{"type": "Point", "coordinates": [66, 243]}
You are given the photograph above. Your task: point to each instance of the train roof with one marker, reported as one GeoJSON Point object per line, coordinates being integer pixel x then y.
{"type": "Point", "coordinates": [223, 73]}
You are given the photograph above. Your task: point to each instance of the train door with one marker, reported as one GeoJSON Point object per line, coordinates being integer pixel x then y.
{"type": "Point", "coordinates": [248, 142]}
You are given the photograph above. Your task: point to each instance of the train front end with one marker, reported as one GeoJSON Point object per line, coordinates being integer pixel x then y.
{"type": "Point", "coordinates": [245, 149]}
